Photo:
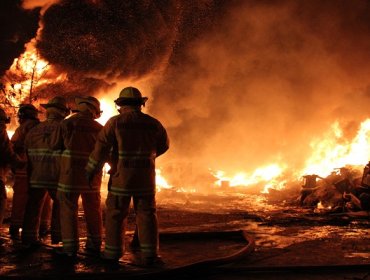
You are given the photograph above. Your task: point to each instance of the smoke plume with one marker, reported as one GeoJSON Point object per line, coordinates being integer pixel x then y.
{"type": "Point", "coordinates": [265, 81]}
{"type": "Point", "coordinates": [17, 27]}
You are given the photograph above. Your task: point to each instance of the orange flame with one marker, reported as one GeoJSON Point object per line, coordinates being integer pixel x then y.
{"type": "Point", "coordinates": [108, 110]}
{"type": "Point", "coordinates": [328, 154]}
{"type": "Point", "coordinates": [161, 181]}
{"type": "Point", "coordinates": [10, 133]}
{"type": "Point", "coordinates": [262, 174]}
{"type": "Point", "coordinates": [25, 74]}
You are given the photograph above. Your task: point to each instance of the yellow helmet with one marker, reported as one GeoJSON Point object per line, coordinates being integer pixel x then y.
{"type": "Point", "coordinates": [130, 96]}
{"type": "Point", "coordinates": [92, 101]}
{"type": "Point", "coordinates": [58, 102]}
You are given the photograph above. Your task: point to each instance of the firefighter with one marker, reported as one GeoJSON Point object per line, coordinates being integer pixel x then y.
{"type": "Point", "coordinates": [7, 158]}
{"type": "Point", "coordinates": [43, 171]}
{"type": "Point", "coordinates": [135, 140]}
{"type": "Point", "coordinates": [27, 118]}
{"type": "Point", "coordinates": [76, 138]}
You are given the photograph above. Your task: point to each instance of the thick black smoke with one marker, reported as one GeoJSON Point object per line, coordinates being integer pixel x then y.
{"type": "Point", "coordinates": [17, 27]}
{"type": "Point", "coordinates": [118, 39]}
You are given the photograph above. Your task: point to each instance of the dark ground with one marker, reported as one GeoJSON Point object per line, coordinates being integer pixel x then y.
{"type": "Point", "coordinates": [290, 243]}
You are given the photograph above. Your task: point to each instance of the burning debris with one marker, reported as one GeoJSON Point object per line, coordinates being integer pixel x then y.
{"type": "Point", "coordinates": [344, 190]}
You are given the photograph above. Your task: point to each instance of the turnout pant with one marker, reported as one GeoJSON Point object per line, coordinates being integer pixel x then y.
{"type": "Point", "coordinates": [20, 189]}
{"type": "Point", "coordinates": [69, 220]}
{"type": "Point", "coordinates": [38, 213]}
{"type": "Point", "coordinates": [117, 209]}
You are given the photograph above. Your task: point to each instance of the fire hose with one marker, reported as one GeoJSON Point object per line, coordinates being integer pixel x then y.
{"type": "Point", "coordinates": [194, 267]}
{"type": "Point", "coordinates": [202, 265]}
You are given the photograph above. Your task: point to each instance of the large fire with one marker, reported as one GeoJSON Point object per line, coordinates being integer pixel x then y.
{"type": "Point", "coordinates": [329, 151]}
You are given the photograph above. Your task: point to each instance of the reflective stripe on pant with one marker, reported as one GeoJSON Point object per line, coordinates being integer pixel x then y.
{"type": "Point", "coordinates": [34, 209]}
{"type": "Point", "coordinates": [69, 220]}
{"type": "Point", "coordinates": [20, 189]}
{"type": "Point", "coordinates": [117, 208]}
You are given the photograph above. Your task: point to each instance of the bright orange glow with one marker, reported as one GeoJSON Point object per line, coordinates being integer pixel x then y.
{"type": "Point", "coordinates": [29, 62]}
{"type": "Point", "coordinates": [160, 181]}
{"type": "Point", "coordinates": [262, 174]}
{"type": "Point", "coordinates": [108, 109]}
{"type": "Point", "coordinates": [26, 74]}
{"type": "Point", "coordinates": [330, 151]}
{"type": "Point", "coordinates": [328, 154]}
{"type": "Point", "coordinates": [106, 168]}
{"type": "Point", "coordinates": [10, 133]}
{"type": "Point", "coordinates": [29, 68]}
{"type": "Point", "coordinates": [321, 206]}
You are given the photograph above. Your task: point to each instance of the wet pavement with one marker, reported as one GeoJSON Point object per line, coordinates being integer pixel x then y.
{"type": "Point", "coordinates": [289, 241]}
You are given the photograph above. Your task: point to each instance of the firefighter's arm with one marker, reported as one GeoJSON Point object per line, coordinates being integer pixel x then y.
{"type": "Point", "coordinates": [101, 151]}
{"type": "Point", "coordinates": [163, 143]}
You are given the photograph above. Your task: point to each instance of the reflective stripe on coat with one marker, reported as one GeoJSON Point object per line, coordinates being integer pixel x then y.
{"type": "Point", "coordinates": [76, 136]}
{"type": "Point", "coordinates": [43, 163]}
{"type": "Point", "coordinates": [134, 139]}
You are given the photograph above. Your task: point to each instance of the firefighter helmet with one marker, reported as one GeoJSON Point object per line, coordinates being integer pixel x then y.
{"type": "Point", "coordinates": [3, 117]}
{"type": "Point", "coordinates": [92, 102]}
{"type": "Point", "coordinates": [130, 96]}
{"type": "Point", "coordinates": [27, 111]}
{"type": "Point", "coordinates": [58, 102]}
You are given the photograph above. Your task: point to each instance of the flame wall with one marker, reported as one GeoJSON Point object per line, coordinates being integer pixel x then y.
{"type": "Point", "coordinates": [239, 84]}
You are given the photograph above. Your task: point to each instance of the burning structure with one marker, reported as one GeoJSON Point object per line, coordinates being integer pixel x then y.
{"type": "Point", "coordinates": [292, 97]}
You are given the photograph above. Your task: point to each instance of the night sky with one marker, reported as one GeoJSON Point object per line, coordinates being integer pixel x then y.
{"type": "Point", "coordinates": [17, 27]}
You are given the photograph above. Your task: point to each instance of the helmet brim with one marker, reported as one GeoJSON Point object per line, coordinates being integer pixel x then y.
{"type": "Point", "coordinates": [121, 101]}
{"type": "Point", "coordinates": [55, 105]}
